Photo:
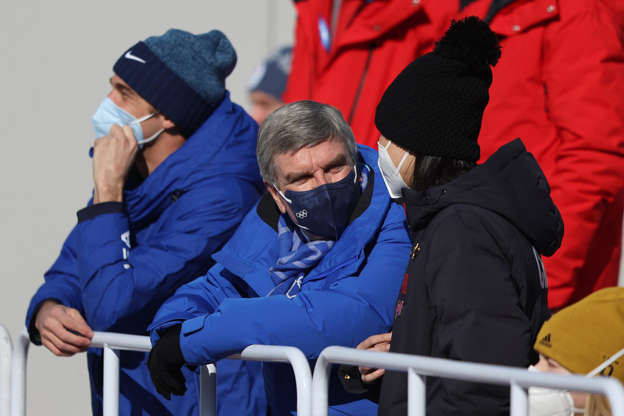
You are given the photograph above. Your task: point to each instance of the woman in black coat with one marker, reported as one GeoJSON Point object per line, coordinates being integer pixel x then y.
{"type": "Point", "coordinates": [475, 289]}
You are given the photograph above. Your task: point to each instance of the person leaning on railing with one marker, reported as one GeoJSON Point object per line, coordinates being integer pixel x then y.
{"type": "Point", "coordinates": [317, 262]}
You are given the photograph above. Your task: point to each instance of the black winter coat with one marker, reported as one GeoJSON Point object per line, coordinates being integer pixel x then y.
{"type": "Point", "coordinates": [476, 288]}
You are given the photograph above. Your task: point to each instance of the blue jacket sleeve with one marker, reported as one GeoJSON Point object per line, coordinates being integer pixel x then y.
{"type": "Point", "coordinates": [61, 284]}
{"type": "Point", "coordinates": [117, 280]}
{"type": "Point", "coordinates": [197, 298]}
{"type": "Point", "coordinates": [344, 313]}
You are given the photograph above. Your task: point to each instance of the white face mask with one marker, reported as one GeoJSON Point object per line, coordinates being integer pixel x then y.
{"type": "Point", "coordinates": [550, 402]}
{"type": "Point", "coordinates": [391, 174]}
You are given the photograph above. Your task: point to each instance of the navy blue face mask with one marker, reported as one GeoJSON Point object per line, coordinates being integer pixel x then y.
{"type": "Point", "coordinates": [325, 211]}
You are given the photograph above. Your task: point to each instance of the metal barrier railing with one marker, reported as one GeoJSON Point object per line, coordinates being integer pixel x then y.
{"type": "Point", "coordinates": [18, 374]}
{"type": "Point", "coordinates": [111, 343]}
{"type": "Point", "coordinates": [299, 363]}
{"type": "Point", "coordinates": [6, 351]}
{"type": "Point", "coordinates": [312, 392]}
{"type": "Point", "coordinates": [418, 366]}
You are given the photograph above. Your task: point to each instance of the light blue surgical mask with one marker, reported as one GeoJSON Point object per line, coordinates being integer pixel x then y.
{"type": "Point", "coordinates": [109, 113]}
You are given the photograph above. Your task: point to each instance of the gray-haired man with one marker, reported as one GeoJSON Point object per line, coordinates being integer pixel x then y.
{"type": "Point", "coordinates": [317, 262]}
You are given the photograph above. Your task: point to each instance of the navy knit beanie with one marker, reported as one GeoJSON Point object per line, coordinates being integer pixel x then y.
{"type": "Point", "coordinates": [435, 105]}
{"type": "Point", "coordinates": [181, 74]}
{"type": "Point", "coordinates": [272, 74]}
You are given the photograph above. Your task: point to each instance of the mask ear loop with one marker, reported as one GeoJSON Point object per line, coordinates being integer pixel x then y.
{"type": "Point", "coordinates": [281, 194]}
{"type": "Point", "coordinates": [385, 148]}
{"type": "Point", "coordinates": [142, 119]}
{"type": "Point", "coordinates": [402, 160]}
{"type": "Point", "coordinates": [605, 364]}
{"type": "Point", "coordinates": [153, 136]}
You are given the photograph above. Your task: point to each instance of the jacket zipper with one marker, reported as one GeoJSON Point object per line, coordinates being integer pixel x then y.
{"type": "Point", "coordinates": [361, 86]}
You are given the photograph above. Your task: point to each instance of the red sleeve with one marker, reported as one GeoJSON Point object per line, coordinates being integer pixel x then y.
{"type": "Point", "coordinates": [301, 77]}
{"type": "Point", "coordinates": [584, 81]}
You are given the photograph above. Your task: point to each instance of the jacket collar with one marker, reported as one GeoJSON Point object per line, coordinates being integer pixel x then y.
{"type": "Point", "coordinates": [189, 165]}
{"type": "Point", "coordinates": [510, 184]}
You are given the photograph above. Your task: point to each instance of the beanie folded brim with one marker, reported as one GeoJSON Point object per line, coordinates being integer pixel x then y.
{"type": "Point", "coordinates": [157, 84]}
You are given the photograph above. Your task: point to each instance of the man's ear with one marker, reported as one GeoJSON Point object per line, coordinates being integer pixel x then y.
{"type": "Point", "coordinates": [167, 124]}
{"type": "Point", "coordinates": [276, 197]}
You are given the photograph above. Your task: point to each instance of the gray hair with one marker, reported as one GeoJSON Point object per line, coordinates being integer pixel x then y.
{"type": "Point", "coordinates": [298, 125]}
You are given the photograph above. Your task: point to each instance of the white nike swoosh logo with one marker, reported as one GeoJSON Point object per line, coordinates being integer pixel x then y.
{"type": "Point", "coordinates": [129, 55]}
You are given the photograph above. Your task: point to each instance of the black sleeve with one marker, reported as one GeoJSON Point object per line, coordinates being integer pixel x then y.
{"type": "Point", "coordinates": [351, 381]}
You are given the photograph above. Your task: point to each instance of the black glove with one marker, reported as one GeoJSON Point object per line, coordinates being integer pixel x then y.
{"type": "Point", "coordinates": [165, 364]}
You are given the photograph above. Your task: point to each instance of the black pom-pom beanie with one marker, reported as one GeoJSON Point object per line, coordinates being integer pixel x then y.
{"type": "Point", "coordinates": [435, 105]}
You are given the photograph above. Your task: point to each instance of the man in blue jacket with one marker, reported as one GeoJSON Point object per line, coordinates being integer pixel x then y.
{"type": "Point", "coordinates": [174, 174]}
{"type": "Point", "coordinates": [317, 262]}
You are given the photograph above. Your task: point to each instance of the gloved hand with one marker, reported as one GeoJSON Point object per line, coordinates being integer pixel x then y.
{"type": "Point", "coordinates": [165, 364]}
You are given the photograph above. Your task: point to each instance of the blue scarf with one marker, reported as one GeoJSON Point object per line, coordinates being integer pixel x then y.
{"type": "Point", "coordinates": [298, 255]}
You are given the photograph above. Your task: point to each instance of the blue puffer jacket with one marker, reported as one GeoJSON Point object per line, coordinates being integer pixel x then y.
{"type": "Point", "coordinates": [347, 297]}
{"type": "Point", "coordinates": [121, 261]}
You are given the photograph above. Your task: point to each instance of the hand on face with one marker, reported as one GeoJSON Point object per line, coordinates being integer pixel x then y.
{"type": "Point", "coordinates": [113, 156]}
{"type": "Point", "coordinates": [379, 342]}
{"type": "Point", "coordinates": [63, 330]}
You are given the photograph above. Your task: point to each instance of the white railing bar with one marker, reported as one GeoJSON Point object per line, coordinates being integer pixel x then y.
{"type": "Point", "coordinates": [208, 390]}
{"type": "Point", "coordinates": [292, 355]}
{"type": "Point", "coordinates": [6, 352]}
{"type": "Point", "coordinates": [18, 374]}
{"type": "Point", "coordinates": [519, 405]}
{"type": "Point", "coordinates": [110, 400]}
{"type": "Point", "coordinates": [121, 342]}
{"type": "Point", "coordinates": [299, 363]}
{"type": "Point", "coordinates": [482, 373]}
{"type": "Point", "coordinates": [112, 342]}
{"type": "Point", "coordinates": [416, 394]}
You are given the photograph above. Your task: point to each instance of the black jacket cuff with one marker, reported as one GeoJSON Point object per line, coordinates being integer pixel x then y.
{"type": "Point", "coordinates": [351, 380]}
{"type": "Point", "coordinates": [94, 210]}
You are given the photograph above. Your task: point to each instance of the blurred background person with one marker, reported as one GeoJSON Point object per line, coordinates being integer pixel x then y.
{"type": "Point", "coordinates": [267, 84]}
{"type": "Point", "coordinates": [346, 53]}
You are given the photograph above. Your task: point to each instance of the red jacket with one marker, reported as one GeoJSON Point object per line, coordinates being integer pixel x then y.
{"type": "Point", "coordinates": [559, 85]}
{"type": "Point", "coordinates": [372, 43]}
